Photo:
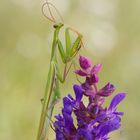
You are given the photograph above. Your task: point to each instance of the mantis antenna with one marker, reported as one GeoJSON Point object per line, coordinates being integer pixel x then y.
{"type": "Point", "coordinates": [52, 19]}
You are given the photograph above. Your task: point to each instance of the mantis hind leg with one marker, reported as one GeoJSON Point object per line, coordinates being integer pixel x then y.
{"type": "Point", "coordinates": [56, 95]}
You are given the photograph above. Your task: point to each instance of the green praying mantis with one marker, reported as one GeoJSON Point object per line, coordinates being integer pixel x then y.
{"type": "Point", "coordinates": [52, 91]}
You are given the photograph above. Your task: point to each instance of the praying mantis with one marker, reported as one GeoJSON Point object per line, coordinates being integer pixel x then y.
{"type": "Point", "coordinates": [52, 91]}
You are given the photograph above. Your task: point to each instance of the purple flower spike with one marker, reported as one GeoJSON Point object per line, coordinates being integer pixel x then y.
{"type": "Point", "coordinates": [107, 90]}
{"type": "Point", "coordinates": [94, 121]}
{"type": "Point", "coordinates": [84, 62]}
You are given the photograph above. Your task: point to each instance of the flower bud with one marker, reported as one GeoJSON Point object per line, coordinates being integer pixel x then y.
{"type": "Point", "coordinates": [84, 62]}
{"type": "Point", "coordinates": [107, 90]}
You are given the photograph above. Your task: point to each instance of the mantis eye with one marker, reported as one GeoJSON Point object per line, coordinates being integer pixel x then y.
{"type": "Point", "coordinates": [59, 25]}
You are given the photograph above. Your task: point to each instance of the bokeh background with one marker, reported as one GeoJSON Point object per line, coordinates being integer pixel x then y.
{"type": "Point", "coordinates": [111, 30]}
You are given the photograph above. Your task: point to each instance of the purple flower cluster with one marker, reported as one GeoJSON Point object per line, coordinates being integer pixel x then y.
{"type": "Point", "coordinates": [94, 122]}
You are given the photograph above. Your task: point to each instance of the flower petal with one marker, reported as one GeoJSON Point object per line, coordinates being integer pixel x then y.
{"type": "Point", "coordinates": [78, 92]}
{"type": "Point", "coordinates": [94, 78]}
{"type": "Point", "coordinates": [68, 120]}
{"type": "Point", "coordinates": [85, 134]}
{"type": "Point", "coordinates": [67, 105]}
{"type": "Point", "coordinates": [81, 73]}
{"type": "Point", "coordinates": [116, 100]}
{"type": "Point", "coordinates": [96, 68]}
{"type": "Point", "coordinates": [90, 93]}
{"type": "Point", "coordinates": [108, 128]}
{"type": "Point", "coordinates": [84, 62]}
{"type": "Point", "coordinates": [107, 90]}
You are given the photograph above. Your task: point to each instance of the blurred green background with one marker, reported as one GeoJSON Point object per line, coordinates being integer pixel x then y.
{"type": "Point", "coordinates": [111, 30]}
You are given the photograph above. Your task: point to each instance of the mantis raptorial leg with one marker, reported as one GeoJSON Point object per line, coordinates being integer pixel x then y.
{"type": "Point", "coordinates": [52, 92]}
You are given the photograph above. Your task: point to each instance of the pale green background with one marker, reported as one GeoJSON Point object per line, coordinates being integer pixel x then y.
{"type": "Point", "coordinates": [111, 30]}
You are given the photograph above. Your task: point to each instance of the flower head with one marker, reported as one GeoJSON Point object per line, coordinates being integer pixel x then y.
{"type": "Point", "coordinates": [94, 121]}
